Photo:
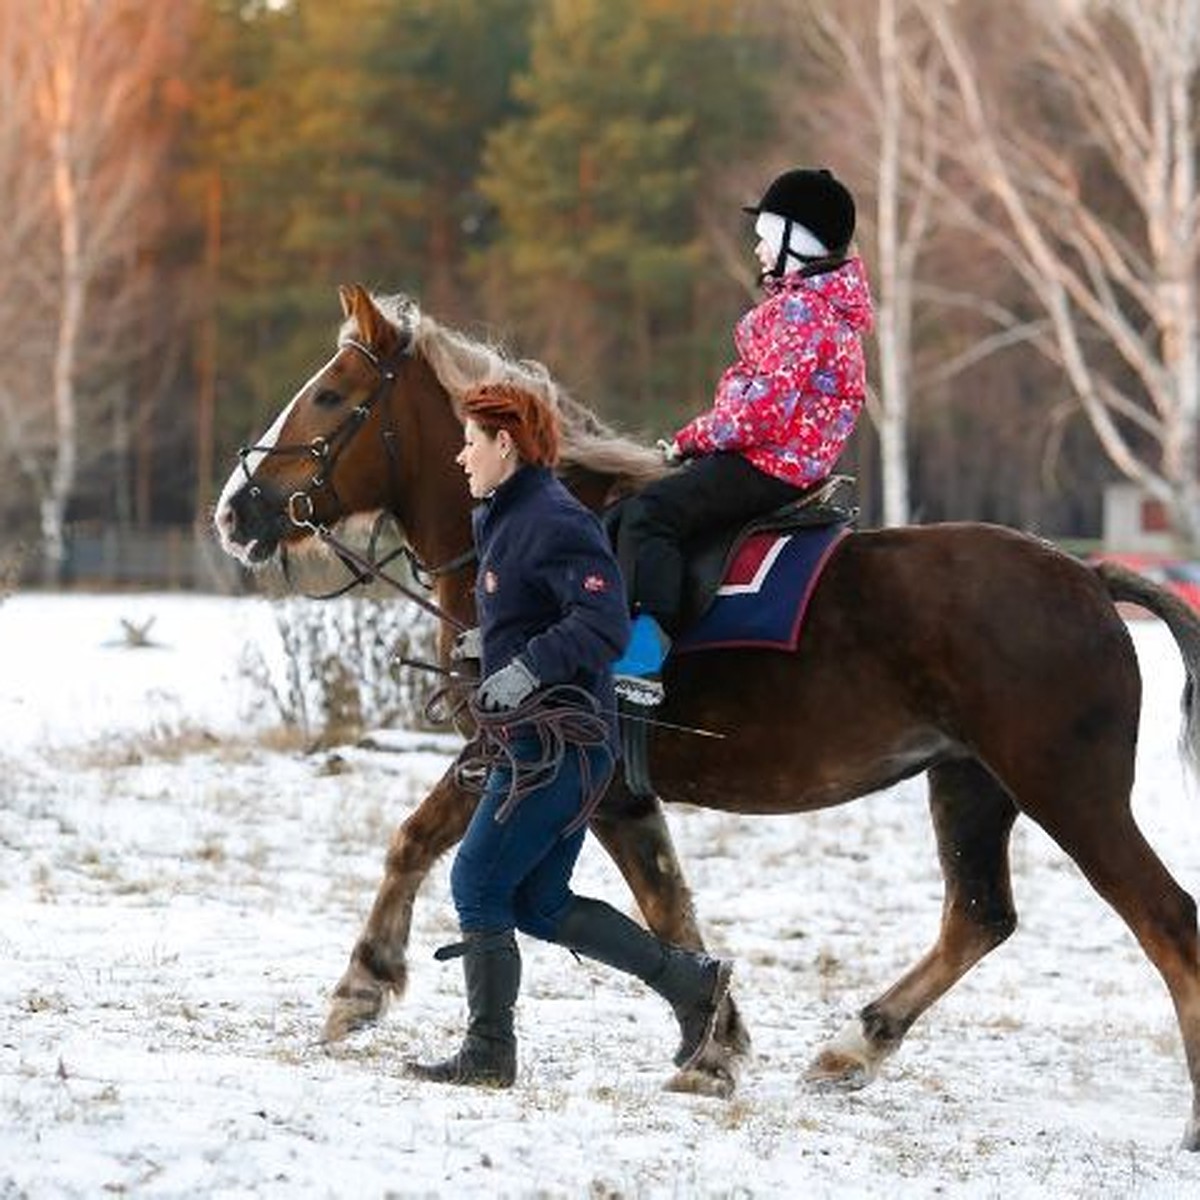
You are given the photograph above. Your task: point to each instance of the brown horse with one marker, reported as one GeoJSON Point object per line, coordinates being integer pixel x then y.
{"type": "Point", "coordinates": [985, 658]}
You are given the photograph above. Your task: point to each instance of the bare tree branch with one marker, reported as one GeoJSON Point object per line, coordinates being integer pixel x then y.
{"type": "Point", "coordinates": [1123, 78]}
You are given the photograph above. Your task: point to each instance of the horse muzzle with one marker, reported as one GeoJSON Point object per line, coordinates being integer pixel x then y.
{"type": "Point", "coordinates": [252, 522]}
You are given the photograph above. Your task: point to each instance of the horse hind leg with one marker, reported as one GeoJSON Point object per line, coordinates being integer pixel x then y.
{"type": "Point", "coordinates": [973, 817]}
{"type": "Point", "coordinates": [378, 968]}
{"type": "Point", "coordinates": [634, 832]}
{"type": "Point", "coordinates": [1112, 853]}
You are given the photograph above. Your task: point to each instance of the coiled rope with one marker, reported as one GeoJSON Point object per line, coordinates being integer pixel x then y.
{"type": "Point", "coordinates": [563, 718]}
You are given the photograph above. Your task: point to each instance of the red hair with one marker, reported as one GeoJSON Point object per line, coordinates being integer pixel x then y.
{"type": "Point", "coordinates": [531, 422]}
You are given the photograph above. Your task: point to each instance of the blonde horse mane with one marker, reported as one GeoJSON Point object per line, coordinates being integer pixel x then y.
{"type": "Point", "coordinates": [461, 362]}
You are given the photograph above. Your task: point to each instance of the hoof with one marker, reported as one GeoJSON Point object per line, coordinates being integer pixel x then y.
{"type": "Point", "coordinates": [703, 1081]}
{"type": "Point", "coordinates": [847, 1063]}
{"type": "Point", "coordinates": [353, 1011]}
{"type": "Point", "coordinates": [711, 1073]}
{"type": "Point", "coordinates": [835, 1071]}
{"type": "Point", "coordinates": [1191, 1135]}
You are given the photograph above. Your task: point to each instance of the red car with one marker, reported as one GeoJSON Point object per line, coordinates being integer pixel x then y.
{"type": "Point", "coordinates": [1175, 574]}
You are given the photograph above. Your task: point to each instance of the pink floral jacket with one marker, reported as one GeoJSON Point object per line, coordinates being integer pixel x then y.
{"type": "Point", "coordinates": [791, 400]}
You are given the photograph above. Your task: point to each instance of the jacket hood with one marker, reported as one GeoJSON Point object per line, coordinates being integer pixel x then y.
{"type": "Point", "coordinates": [845, 289]}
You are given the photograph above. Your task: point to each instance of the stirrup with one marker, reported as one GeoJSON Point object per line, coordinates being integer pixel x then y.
{"type": "Point", "coordinates": [645, 693]}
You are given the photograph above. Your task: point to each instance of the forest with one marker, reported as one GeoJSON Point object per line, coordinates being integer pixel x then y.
{"type": "Point", "coordinates": [185, 183]}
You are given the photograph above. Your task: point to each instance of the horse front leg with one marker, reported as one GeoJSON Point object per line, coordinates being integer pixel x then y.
{"type": "Point", "coordinates": [634, 832]}
{"type": "Point", "coordinates": [378, 967]}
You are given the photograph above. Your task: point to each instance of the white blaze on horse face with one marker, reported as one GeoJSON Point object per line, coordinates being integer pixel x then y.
{"type": "Point", "coordinates": [243, 473]}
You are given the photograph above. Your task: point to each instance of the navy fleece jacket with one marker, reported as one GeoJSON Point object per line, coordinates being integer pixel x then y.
{"type": "Point", "coordinates": [548, 589]}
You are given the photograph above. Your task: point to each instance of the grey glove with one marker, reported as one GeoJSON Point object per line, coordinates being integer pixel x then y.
{"type": "Point", "coordinates": [507, 688]}
{"type": "Point", "coordinates": [468, 644]}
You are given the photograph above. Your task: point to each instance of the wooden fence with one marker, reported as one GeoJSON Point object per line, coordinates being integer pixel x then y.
{"type": "Point", "coordinates": [174, 559]}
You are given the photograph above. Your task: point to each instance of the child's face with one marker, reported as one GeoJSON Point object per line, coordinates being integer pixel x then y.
{"type": "Point", "coordinates": [768, 229]}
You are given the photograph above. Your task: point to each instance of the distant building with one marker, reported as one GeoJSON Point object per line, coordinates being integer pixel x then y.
{"type": "Point", "coordinates": [1135, 522]}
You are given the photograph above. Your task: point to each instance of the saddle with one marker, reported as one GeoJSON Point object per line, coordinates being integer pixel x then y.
{"type": "Point", "coordinates": [831, 502]}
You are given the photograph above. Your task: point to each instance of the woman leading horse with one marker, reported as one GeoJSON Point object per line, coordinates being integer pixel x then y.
{"type": "Point", "coordinates": [982, 657]}
{"type": "Point", "coordinates": [551, 621]}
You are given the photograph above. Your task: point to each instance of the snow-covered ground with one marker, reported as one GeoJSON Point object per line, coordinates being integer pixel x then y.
{"type": "Point", "coordinates": [179, 891]}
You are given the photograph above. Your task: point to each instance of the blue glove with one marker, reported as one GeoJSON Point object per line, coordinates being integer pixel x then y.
{"type": "Point", "coordinates": [507, 688]}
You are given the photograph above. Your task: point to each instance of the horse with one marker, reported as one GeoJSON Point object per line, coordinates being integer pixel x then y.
{"type": "Point", "coordinates": [983, 657]}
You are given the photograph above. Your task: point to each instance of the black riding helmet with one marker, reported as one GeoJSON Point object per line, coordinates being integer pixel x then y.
{"type": "Point", "coordinates": [815, 200]}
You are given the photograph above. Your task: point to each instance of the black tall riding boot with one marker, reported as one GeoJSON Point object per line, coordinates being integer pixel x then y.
{"type": "Point", "coordinates": [488, 1055]}
{"type": "Point", "coordinates": [692, 983]}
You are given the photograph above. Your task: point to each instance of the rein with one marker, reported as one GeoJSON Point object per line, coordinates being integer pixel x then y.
{"type": "Point", "coordinates": [367, 569]}
{"type": "Point", "coordinates": [457, 680]}
{"type": "Point", "coordinates": [559, 717]}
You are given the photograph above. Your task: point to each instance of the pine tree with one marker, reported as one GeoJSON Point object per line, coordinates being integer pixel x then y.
{"type": "Point", "coordinates": [629, 109]}
{"type": "Point", "coordinates": [345, 136]}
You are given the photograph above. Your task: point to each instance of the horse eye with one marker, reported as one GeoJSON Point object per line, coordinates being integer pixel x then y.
{"type": "Point", "coordinates": [327, 398]}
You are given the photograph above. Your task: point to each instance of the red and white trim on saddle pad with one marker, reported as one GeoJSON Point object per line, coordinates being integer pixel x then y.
{"type": "Point", "coordinates": [752, 564]}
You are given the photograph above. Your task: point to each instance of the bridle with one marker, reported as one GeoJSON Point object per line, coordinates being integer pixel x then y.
{"type": "Point", "coordinates": [326, 449]}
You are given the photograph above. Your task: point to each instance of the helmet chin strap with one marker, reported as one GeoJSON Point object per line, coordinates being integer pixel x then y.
{"type": "Point", "coordinates": [810, 264]}
{"type": "Point", "coordinates": [806, 261]}
{"type": "Point", "coordinates": [785, 243]}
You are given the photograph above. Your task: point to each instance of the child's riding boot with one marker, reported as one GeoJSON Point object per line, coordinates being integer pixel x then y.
{"type": "Point", "coordinates": [637, 674]}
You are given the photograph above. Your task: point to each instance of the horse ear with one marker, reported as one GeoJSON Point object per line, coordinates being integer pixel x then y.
{"type": "Point", "coordinates": [373, 327]}
{"type": "Point", "coordinates": [346, 296]}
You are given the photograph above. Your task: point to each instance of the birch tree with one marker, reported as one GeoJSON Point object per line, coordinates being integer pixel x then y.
{"type": "Point", "coordinates": [1087, 151]}
{"type": "Point", "coordinates": [83, 74]}
{"type": "Point", "coordinates": [23, 198]}
{"type": "Point", "coordinates": [880, 49]}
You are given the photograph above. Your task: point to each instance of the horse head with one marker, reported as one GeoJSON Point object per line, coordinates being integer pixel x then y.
{"type": "Point", "coordinates": [337, 448]}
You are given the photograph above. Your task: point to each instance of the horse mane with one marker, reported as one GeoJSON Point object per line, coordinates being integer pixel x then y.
{"type": "Point", "coordinates": [461, 362]}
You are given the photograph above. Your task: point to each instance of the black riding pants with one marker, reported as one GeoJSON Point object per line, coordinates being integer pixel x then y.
{"type": "Point", "coordinates": [659, 521]}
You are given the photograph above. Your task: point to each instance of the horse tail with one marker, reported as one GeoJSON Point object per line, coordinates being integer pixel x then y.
{"type": "Point", "coordinates": [1183, 622]}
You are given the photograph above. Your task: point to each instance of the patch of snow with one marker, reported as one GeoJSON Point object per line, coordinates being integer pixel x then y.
{"type": "Point", "coordinates": [174, 912]}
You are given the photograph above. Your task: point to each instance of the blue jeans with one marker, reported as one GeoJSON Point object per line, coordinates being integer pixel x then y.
{"type": "Point", "coordinates": [517, 874]}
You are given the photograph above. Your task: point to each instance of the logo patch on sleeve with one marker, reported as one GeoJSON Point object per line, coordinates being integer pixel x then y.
{"type": "Point", "coordinates": [595, 583]}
